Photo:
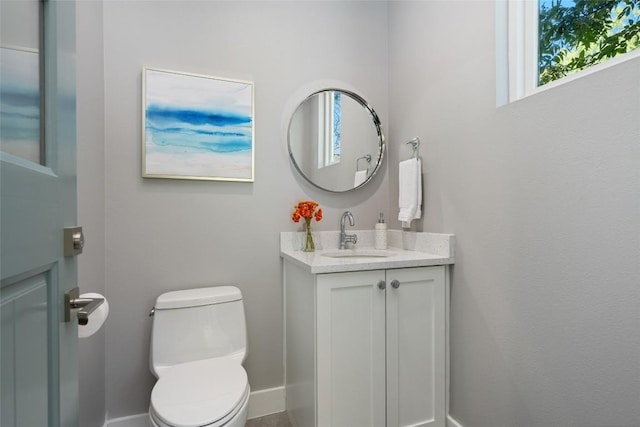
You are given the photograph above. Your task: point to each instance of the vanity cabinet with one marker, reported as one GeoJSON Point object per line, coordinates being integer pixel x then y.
{"type": "Point", "coordinates": [365, 348]}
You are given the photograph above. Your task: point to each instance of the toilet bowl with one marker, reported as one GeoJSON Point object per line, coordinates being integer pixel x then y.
{"type": "Point", "coordinates": [212, 393]}
{"type": "Point", "coordinates": [198, 346]}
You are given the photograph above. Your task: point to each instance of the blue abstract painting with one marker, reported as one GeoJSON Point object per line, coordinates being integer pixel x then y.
{"type": "Point", "coordinates": [197, 127]}
{"type": "Point", "coordinates": [20, 103]}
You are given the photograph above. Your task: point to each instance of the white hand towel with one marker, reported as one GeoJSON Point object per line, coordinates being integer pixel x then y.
{"type": "Point", "coordinates": [419, 208]}
{"type": "Point", "coordinates": [361, 176]}
{"type": "Point", "coordinates": [410, 190]}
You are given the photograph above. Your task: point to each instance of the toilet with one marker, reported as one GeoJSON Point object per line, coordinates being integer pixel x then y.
{"type": "Point", "coordinates": [198, 345]}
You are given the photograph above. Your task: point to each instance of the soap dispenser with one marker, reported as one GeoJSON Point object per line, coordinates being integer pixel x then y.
{"type": "Point", "coordinates": [380, 234]}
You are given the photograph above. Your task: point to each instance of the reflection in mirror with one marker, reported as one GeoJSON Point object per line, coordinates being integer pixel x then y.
{"type": "Point", "coordinates": [335, 140]}
{"type": "Point", "coordinates": [329, 128]}
{"type": "Point", "coordinates": [20, 85]}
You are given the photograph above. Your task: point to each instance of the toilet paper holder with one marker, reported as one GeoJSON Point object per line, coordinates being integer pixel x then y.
{"type": "Point", "coordinates": [83, 306]}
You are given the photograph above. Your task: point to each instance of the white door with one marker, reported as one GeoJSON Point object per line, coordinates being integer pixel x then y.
{"type": "Point", "coordinates": [351, 349]}
{"type": "Point", "coordinates": [38, 376]}
{"type": "Point", "coordinates": [416, 347]}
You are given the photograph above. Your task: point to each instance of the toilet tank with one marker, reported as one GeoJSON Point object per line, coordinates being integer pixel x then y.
{"type": "Point", "coordinates": [197, 324]}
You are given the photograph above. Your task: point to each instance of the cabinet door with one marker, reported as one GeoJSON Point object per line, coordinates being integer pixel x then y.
{"type": "Point", "coordinates": [416, 347]}
{"type": "Point", "coordinates": [351, 349]}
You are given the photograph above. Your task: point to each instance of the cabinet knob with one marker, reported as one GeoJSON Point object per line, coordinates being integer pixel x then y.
{"type": "Point", "coordinates": [382, 284]}
{"type": "Point", "coordinates": [395, 284]}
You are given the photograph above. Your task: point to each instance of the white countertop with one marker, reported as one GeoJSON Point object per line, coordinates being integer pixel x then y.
{"type": "Point", "coordinates": [409, 249]}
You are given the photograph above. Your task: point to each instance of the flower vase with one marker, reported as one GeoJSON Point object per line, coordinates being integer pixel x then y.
{"type": "Point", "coordinates": [309, 246]}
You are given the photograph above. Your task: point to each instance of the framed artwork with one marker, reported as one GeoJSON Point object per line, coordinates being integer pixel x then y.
{"type": "Point", "coordinates": [197, 127]}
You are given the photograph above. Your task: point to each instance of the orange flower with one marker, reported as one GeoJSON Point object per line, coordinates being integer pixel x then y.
{"type": "Point", "coordinates": [307, 210]}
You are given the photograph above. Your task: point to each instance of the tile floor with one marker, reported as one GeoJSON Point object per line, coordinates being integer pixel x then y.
{"type": "Point", "coordinates": [274, 420]}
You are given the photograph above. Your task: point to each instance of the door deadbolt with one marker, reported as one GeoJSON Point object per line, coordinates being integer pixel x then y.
{"type": "Point", "coordinates": [73, 241]}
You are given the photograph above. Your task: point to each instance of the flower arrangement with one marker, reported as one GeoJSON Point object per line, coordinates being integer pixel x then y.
{"type": "Point", "coordinates": [307, 210]}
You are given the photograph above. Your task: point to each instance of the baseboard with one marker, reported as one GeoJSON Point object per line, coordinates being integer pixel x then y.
{"type": "Point", "coordinates": [266, 402]}
{"type": "Point", "coordinates": [261, 403]}
{"type": "Point", "coordinates": [451, 422]}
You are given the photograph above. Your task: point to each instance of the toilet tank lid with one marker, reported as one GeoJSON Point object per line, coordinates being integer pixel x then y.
{"type": "Point", "coordinates": [198, 297]}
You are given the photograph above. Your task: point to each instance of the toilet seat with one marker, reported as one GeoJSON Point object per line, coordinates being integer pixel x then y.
{"type": "Point", "coordinates": [201, 393]}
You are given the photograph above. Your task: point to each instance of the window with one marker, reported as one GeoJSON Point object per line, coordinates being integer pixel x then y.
{"type": "Point", "coordinates": [21, 81]}
{"type": "Point", "coordinates": [550, 40]}
{"type": "Point", "coordinates": [329, 128]}
{"type": "Point", "coordinates": [337, 125]}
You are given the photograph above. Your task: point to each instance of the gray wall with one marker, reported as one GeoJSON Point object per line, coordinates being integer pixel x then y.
{"type": "Point", "coordinates": [165, 235]}
{"type": "Point", "coordinates": [542, 195]}
{"type": "Point", "coordinates": [91, 201]}
{"type": "Point", "coordinates": [544, 198]}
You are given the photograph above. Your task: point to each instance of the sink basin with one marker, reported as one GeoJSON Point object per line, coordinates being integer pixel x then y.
{"type": "Point", "coordinates": [359, 253]}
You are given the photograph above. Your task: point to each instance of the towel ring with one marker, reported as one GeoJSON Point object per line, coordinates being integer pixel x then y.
{"type": "Point", "coordinates": [367, 157]}
{"type": "Point", "coordinates": [415, 142]}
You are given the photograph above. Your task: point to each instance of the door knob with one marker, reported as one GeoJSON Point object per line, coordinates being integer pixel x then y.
{"type": "Point", "coordinates": [83, 306]}
{"type": "Point", "coordinates": [395, 284]}
{"type": "Point", "coordinates": [382, 284]}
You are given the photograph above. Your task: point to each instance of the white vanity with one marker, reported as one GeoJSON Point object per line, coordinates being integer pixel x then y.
{"type": "Point", "coordinates": [366, 330]}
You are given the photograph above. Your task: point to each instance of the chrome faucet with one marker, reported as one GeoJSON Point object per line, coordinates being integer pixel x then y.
{"type": "Point", "coordinates": [344, 237]}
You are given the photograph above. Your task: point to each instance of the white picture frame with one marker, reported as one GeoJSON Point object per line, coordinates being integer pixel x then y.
{"type": "Point", "coordinates": [197, 127]}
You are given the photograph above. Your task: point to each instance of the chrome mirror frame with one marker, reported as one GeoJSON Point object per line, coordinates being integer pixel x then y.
{"type": "Point", "coordinates": [378, 127]}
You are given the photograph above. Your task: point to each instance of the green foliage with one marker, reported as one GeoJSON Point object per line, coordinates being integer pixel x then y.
{"type": "Point", "coordinates": [575, 37]}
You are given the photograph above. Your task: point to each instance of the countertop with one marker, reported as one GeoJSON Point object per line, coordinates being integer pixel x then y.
{"type": "Point", "coordinates": [409, 249]}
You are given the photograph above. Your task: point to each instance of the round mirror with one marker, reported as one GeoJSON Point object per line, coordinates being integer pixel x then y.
{"type": "Point", "coordinates": [335, 140]}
